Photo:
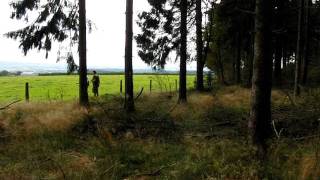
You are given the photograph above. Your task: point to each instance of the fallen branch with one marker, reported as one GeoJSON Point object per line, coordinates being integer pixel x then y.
{"type": "Point", "coordinates": [139, 94]}
{"type": "Point", "coordinates": [7, 106]}
{"type": "Point", "coordinates": [245, 11]}
{"type": "Point", "coordinates": [154, 173]}
{"type": "Point", "coordinates": [278, 134]}
{"type": "Point", "coordinates": [307, 137]}
{"type": "Point", "coordinates": [107, 170]}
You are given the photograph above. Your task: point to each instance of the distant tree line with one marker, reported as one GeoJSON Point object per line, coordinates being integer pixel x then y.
{"type": "Point", "coordinates": [7, 73]}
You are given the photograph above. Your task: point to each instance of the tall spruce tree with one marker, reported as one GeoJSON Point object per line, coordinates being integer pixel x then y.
{"type": "Point", "coordinates": [183, 51]}
{"type": "Point", "coordinates": [162, 33]}
{"type": "Point", "coordinates": [57, 21]}
{"type": "Point", "coordinates": [129, 100]}
{"type": "Point", "coordinates": [83, 89]}
{"type": "Point", "coordinates": [260, 116]}
{"type": "Point", "coordinates": [298, 55]}
{"type": "Point", "coordinates": [200, 60]}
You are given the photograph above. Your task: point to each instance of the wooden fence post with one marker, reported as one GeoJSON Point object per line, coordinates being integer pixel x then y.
{"type": "Point", "coordinates": [27, 96]}
{"type": "Point", "coordinates": [150, 86]}
{"type": "Point", "coordinates": [176, 85]}
{"type": "Point", "coordinates": [121, 86]}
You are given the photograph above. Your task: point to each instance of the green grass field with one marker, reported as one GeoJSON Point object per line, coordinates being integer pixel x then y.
{"type": "Point", "coordinates": [43, 88]}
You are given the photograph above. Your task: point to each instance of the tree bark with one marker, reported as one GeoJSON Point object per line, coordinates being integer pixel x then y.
{"type": "Point", "coordinates": [260, 115]}
{"type": "Point", "coordinates": [83, 86]}
{"type": "Point", "coordinates": [129, 99]}
{"type": "Point", "coordinates": [183, 52]}
{"type": "Point", "coordinates": [238, 60]}
{"type": "Point", "coordinates": [306, 44]}
{"type": "Point", "coordinates": [251, 59]}
{"type": "Point", "coordinates": [277, 61]}
{"type": "Point", "coordinates": [298, 52]}
{"type": "Point", "coordinates": [200, 61]}
{"type": "Point", "coordinates": [221, 68]}
{"type": "Point", "coordinates": [284, 54]}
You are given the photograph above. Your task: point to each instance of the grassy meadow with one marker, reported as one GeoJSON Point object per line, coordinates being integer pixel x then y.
{"type": "Point", "coordinates": [204, 139]}
{"type": "Point", "coordinates": [43, 88]}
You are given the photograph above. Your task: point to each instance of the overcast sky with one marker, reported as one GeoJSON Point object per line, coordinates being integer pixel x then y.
{"type": "Point", "coordinates": [105, 44]}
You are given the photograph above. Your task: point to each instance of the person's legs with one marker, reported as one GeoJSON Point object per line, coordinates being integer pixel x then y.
{"type": "Point", "coordinates": [95, 91]}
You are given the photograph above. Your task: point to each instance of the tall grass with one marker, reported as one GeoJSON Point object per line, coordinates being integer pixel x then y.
{"type": "Point", "coordinates": [204, 139]}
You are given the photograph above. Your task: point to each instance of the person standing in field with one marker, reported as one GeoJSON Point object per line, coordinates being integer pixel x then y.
{"type": "Point", "coordinates": [95, 84]}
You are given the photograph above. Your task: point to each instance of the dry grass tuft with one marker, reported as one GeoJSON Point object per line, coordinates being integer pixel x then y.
{"type": "Point", "coordinates": [57, 116]}
{"type": "Point", "coordinates": [81, 162]}
{"type": "Point", "coordinates": [201, 102]}
{"type": "Point", "coordinates": [310, 168]}
{"type": "Point", "coordinates": [198, 104]}
{"type": "Point", "coordinates": [234, 96]}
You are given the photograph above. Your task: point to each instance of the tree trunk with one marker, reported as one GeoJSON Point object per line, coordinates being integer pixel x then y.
{"type": "Point", "coordinates": [306, 44]}
{"type": "Point", "coordinates": [234, 66]}
{"type": "Point", "coordinates": [83, 86]}
{"type": "Point", "coordinates": [284, 54]}
{"type": "Point", "coordinates": [298, 53]}
{"type": "Point", "coordinates": [183, 52]}
{"type": "Point", "coordinates": [277, 61]}
{"type": "Point", "coordinates": [279, 41]}
{"type": "Point", "coordinates": [129, 100]}
{"type": "Point", "coordinates": [200, 61]}
{"type": "Point", "coordinates": [220, 65]}
{"type": "Point", "coordinates": [260, 115]}
{"type": "Point", "coordinates": [251, 59]}
{"type": "Point", "coordinates": [238, 60]}
{"type": "Point", "coordinates": [209, 33]}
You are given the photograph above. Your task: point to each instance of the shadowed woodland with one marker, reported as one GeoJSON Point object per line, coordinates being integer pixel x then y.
{"type": "Point", "coordinates": [253, 113]}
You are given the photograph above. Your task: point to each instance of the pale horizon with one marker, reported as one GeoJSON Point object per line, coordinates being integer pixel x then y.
{"type": "Point", "coordinates": [105, 45]}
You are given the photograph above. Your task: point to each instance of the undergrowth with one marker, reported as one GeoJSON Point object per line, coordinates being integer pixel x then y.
{"type": "Point", "coordinates": [204, 139]}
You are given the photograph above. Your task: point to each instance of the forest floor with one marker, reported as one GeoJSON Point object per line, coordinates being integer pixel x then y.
{"type": "Point", "coordinates": [206, 138]}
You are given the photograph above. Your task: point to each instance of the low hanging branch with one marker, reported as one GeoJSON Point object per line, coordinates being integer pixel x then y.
{"type": "Point", "coordinates": [7, 106]}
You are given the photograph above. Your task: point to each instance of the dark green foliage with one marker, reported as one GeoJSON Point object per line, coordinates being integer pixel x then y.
{"type": "Point", "coordinates": [57, 21]}
{"type": "Point", "coordinates": [232, 26]}
{"type": "Point", "coordinates": [160, 36]}
{"type": "Point", "coordinates": [232, 33]}
{"type": "Point", "coordinates": [160, 33]}
{"type": "Point", "coordinates": [72, 66]}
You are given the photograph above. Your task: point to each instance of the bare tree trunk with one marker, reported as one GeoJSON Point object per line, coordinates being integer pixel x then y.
{"type": "Point", "coordinates": [238, 60]}
{"type": "Point", "coordinates": [200, 61]}
{"type": "Point", "coordinates": [298, 53]}
{"type": "Point", "coordinates": [277, 61]}
{"type": "Point", "coordinates": [220, 65]}
{"type": "Point", "coordinates": [83, 89]}
{"type": "Point", "coordinates": [306, 44]}
{"type": "Point", "coordinates": [234, 66]}
{"type": "Point", "coordinates": [251, 59]}
{"type": "Point", "coordinates": [129, 100]}
{"type": "Point", "coordinates": [284, 54]}
{"type": "Point", "coordinates": [183, 52]}
{"type": "Point", "coordinates": [260, 116]}
{"type": "Point", "coordinates": [209, 33]}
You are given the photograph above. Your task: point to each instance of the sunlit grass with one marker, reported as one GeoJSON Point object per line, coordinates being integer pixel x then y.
{"type": "Point", "coordinates": [45, 88]}
{"type": "Point", "coordinates": [206, 138]}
